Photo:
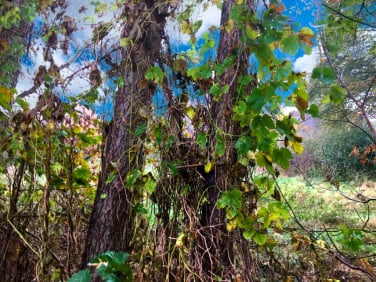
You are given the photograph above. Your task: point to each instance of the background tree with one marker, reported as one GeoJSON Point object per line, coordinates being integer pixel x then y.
{"type": "Point", "coordinates": [347, 72]}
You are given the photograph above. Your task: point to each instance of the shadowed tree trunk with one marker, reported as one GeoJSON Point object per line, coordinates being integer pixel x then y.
{"type": "Point", "coordinates": [110, 226]}
{"type": "Point", "coordinates": [227, 174]}
{"type": "Point", "coordinates": [15, 264]}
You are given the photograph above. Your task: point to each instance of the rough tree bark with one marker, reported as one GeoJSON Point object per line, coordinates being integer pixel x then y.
{"type": "Point", "coordinates": [110, 226]}
{"type": "Point", "coordinates": [217, 259]}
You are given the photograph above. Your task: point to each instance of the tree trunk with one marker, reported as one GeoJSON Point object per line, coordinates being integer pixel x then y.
{"type": "Point", "coordinates": [110, 226]}
{"type": "Point", "coordinates": [219, 255]}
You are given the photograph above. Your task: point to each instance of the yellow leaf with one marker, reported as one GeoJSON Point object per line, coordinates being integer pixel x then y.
{"type": "Point", "coordinates": [268, 158]}
{"type": "Point", "coordinates": [208, 167]}
{"type": "Point", "coordinates": [301, 103]}
{"type": "Point", "coordinates": [180, 240]}
{"type": "Point", "coordinates": [251, 155]}
{"type": "Point", "coordinates": [190, 112]}
{"type": "Point", "coordinates": [229, 25]}
{"type": "Point", "coordinates": [231, 225]}
{"type": "Point", "coordinates": [297, 147]}
{"type": "Point", "coordinates": [186, 27]}
{"type": "Point", "coordinates": [6, 97]}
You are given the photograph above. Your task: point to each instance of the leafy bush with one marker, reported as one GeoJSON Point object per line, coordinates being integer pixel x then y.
{"type": "Point", "coordinates": [332, 154]}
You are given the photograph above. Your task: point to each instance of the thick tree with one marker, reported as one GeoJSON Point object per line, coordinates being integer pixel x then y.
{"type": "Point", "coordinates": [227, 173]}
{"type": "Point", "coordinates": [111, 224]}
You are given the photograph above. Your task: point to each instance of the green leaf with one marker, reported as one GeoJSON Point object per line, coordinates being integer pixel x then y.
{"type": "Point", "coordinates": [155, 74]}
{"type": "Point", "coordinates": [196, 25]}
{"type": "Point", "coordinates": [204, 71]}
{"type": "Point", "coordinates": [268, 122]}
{"type": "Point", "coordinates": [337, 94]}
{"type": "Point", "coordinates": [81, 176]}
{"type": "Point", "coordinates": [216, 90]}
{"type": "Point", "coordinates": [22, 103]}
{"type": "Point", "coordinates": [140, 129]}
{"type": "Point", "coordinates": [111, 177]}
{"type": "Point", "coordinates": [272, 35]}
{"type": "Point", "coordinates": [230, 199]}
{"type": "Point", "coordinates": [256, 100]}
{"type": "Point", "coordinates": [324, 74]}
{"type": "Point", "coordinates": [220, 146]}
{"type": "Point", "coordinates": [201, 140]}
{"type": "Point", "coordinates": [248, 234]}
{"type": "Point", "coordinates": [313, 110]}
{"type": "Point", "coordinates": [240, 108]}
{"type": "Point", "coordinates": [113, 264]}
{"type": "Point", "coordinates": [150, 185]}
{"type": "Point", "coordinates": [243, 145]}
{"type": "Point", "coordinates": [282, 157]}
{"type": "Point", "coordinates": [81, 276]}
{"type": "Point", "coordinates": [260, 238]}
{"type": "Point", "coordinates": [290, 44]}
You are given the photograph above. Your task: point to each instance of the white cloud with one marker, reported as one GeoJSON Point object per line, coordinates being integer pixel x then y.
{"type": "Point", "coordinates": [307, 63]}
{"type": "Point", "coordinates": [208, 13]}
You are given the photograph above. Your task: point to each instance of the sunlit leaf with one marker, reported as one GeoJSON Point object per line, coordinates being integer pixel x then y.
{"type": "Point", "coordinates": [297, 147]}
{"type": "Point", "coordinates": [155, 74]}
{"type": "Point", "coordinates": [260, 238]}
{"type": "Point", "coordinates": [208, 167]}
{"type": "Point", "coordinates": [290, 44]}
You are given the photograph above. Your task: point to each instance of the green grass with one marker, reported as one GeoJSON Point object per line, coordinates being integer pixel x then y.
{"type": "Point", "coordinates": [333, 214]}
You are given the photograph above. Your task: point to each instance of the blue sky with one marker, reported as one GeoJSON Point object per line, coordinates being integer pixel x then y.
{"type": "Point", "coordinates": [301, 11]}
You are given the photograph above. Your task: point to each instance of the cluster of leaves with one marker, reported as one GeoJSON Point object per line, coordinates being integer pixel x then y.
{"type": "Point", "coordinates": [14, 20]}
{"type": "Point", "coordinates": [49, 170]}
{"type": "Point", "coordinates": [110, 266]}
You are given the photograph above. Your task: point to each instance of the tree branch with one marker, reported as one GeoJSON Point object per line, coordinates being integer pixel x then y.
{"type": "Point", "coordinates": [339, 13]}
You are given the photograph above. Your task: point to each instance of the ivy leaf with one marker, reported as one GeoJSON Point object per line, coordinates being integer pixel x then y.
{"type": "Point", "coordinates": [290, 44]}
{"type": "Point", "coordinates": [324, 74]}
{"type": "Point", "coordinates": [81, 276]}
{"type": "Point", "coordinates": [140, 129]}
{"type": "Point", "coordinates": [220, 146]}
{"type": "Point", "coordinates": [313, 110]}
{"type": "Point", "coordinates": [282, 156]}
{"type": "Point", "coordinates": [190, 112]}
{"type": "Point", "coordinates": [260, 238]}
{"type": "Point", "coordinates": [301, 104]}
{"type": "Point", "coordinates": [155, 74]}
{"type": "Point", "coordinates": [243, 145]}
{"type": "Point", "coordinates": [113, 264]}
{"type": "Point", "coordinates": [216, 90]}
{"type": "Point", "coordinates": [150, 185]}
{"type": "Point", "coordinates": [201, 140]}
{"type": "Point", "coordinates": [204, 71]}
{"type": "Point", "coordinates": [248, 234]}
{"type": "Point", "coordinates": [256, 100]}
{"type": "Point", "coordinates": [230, 199]}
